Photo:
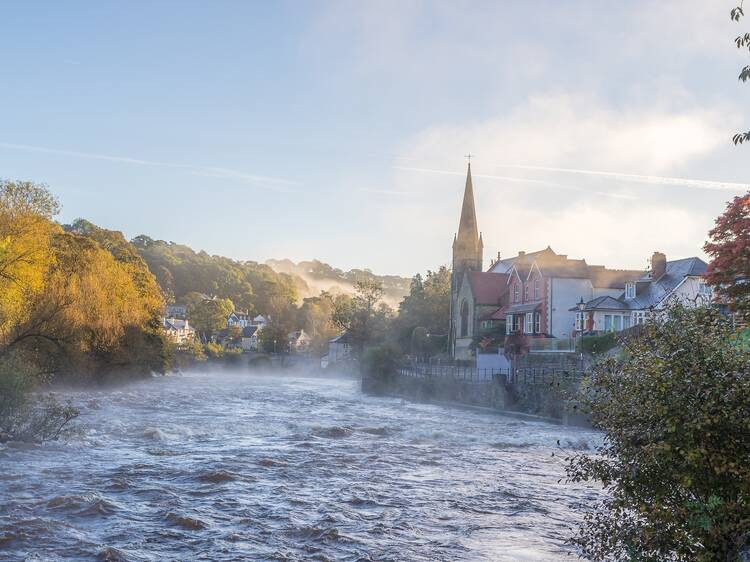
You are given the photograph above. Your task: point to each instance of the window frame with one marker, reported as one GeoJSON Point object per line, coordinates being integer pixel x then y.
{"type": "Point", "coordinates": [629, 290]}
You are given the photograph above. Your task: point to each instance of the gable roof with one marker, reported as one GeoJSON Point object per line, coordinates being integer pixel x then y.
{"type": "Point", "coordinates": [604, 303]}
{"type": "Point", "coordinates": [487, 288]}
{"type": "Point", "coordinates": [504, 265]}
{"type": "Point", "coordinates": [249, 331]}
{"type": "Point", "coordinates": [652, 292]}
{"type": "Point", "coordinates": [346, 337]}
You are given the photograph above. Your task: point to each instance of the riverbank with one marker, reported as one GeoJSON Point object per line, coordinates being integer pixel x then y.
{"type": "Point", "coordinates": [539, 402]}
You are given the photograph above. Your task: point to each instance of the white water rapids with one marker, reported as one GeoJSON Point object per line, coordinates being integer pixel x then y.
{"type": "Point", "coordinates": [223, 467]}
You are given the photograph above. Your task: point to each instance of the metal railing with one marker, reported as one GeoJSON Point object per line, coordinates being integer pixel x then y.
{"type": "Point", "coordinates": [551, 345]}
{"type": "Point", "coordinates": [536, 376]}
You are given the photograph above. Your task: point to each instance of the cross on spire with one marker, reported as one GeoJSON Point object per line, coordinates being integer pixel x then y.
{"type": "Point", "coordinates": [468, 157]}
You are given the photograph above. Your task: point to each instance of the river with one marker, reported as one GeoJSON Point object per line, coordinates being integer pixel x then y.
{"type": "Point", "coordinates": [208, 466]}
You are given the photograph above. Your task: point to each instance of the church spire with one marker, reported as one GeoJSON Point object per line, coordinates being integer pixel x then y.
{"type": "Point", "coordinates": [467, 227]}
{"type": "Point", "coordinates": [468, 244]}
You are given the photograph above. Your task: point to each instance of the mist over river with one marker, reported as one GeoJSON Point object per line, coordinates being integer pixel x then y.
{"type": "Point", "coordinates": [209, 466]}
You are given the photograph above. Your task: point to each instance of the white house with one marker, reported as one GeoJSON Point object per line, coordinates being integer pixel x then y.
{"type": "Point", "coordinates": [178, 330]}
{"type": "Point", "coordinates": [259, 321]}
{"type": "Point", "coordinates": [299, 341]}
{"type": "Point", "coordinates": [238, 318]}
{"type": "Point", "coordinates": [668, 281]}
{"type": "Point", "coordinates": [249, 340]}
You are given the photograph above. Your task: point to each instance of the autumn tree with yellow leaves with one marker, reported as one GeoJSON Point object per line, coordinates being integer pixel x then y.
{"type": "Point", "coordinates": [75, 303]}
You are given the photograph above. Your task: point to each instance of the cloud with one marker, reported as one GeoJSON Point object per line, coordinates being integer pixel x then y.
{"type": "Point", "coordinates": [266, 182]}
{"type": "Point", "coordinates": [579, 131]}
{"type": "Point", "coordinates": [606, 183]}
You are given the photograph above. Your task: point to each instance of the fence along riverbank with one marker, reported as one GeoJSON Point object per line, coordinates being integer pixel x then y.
{"type": "Point", "coordinates": [546, 393]}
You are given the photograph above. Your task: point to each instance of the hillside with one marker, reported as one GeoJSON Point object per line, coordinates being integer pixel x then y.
{"type": "Point", "coordinates": [319, 276]}
{"type": "Point", "coordinates": [256, 287]}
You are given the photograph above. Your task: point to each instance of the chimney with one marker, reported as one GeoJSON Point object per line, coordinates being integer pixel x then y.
{"type": "Point", "coordinates": [658, 265]}
{"type": "Point", "coordinates": [498, 256]}
{"type": "Point", "coordinates": [521, 254]}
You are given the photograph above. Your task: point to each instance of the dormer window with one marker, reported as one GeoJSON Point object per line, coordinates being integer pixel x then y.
{"type": "Point", "coordinates": [629, 290]}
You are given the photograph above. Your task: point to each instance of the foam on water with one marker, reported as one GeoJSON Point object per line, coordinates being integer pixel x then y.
{"type": "Point", "coordinates": [234, 467]}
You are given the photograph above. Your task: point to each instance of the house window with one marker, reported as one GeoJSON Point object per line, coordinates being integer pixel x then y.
{"type": "Point", "coordinates": [537, 323]}
{"type": "Point", "coordinates": [617, 323]}
{"type": "Point", "coordinates": [629, 290]}
{"type": "Point", "coordinates": [464, 319]}
{"type": "Point", "coordinates": [536, 289]}
{"type": "Point", "coordinates": [509, 324]}
{"type": "Point", "coordinates": [526, 293]}
{"type": "Point", "coordinates": [607, 322]}
{"type": "Point", "coordinates": [704, 290]}
{"type": "Point", "coordinates": [639, 317]}
{"type": "Point", "coordinates": [517, 323]}
{"type": "Point", "coordinates": [529, 328]}
{"type": "Point", "coordinates": [515, 292]}
{"type": "Point", "coordinates": [625, 322]}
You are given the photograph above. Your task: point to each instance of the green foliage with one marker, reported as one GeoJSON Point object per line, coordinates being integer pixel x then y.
{"type": "Point", "coordinates": [364, 316]}
{"type": "Point", "coordinates": [381, 362]}
{"type": "Point", "coordinates": [315, 318]}
{"type": "Point", "coordinates": [427, 306]}
{"type": "Point", "coordinates": [594, 345]}
{"type": "Point", "coordinates": [214, 350]}
{"type": "Point", "coordinates": [674, 463]}
{"type": "Point", "coordinates": [209, 315]}
{"type": "Point", "coordinates": [250, 286]}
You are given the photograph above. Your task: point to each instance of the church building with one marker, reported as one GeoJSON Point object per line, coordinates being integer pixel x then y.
{"type": "Point", "coordinates": [475, 295]}
{"type": "Point", "coordinates": [532, 294]}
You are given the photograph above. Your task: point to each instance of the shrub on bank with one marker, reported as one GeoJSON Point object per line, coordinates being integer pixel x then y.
{"type": "Point", "coordinates": [381, 362]}
{"type": "Point", "coordinates": [594, 345]}
{"type": "Point", "coordinates": [674, 407]}
{"type": "Point", "coordinates": [25, 416]}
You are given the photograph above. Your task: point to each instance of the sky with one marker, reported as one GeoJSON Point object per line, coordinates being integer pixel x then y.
{"type": "Point", "coordinates": [337, 130]}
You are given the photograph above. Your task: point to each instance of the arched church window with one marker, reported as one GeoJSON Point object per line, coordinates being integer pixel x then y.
{"type": "Point", "coordinates": [464, 319]}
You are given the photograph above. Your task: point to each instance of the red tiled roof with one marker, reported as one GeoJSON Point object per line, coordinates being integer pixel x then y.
{"type": "Point", "coordinates": [487, 288]}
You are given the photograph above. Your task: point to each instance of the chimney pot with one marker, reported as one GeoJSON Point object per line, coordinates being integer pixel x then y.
{"type": "Point", "coordinates": [658, 265]}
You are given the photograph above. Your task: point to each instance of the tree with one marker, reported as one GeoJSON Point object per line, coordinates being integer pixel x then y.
{"type": "Point", "coordinates": [427, 306]}
{"type": "Point", "coordinates": [315, 318]}
{"type": "Point", "coordinates": [364, 316]}
{"type": "Point", "coordinates": [742, 42]}
{"type": "Point", "coordinates": [209, 316]}
{"type": "Point", "coordinates": [729, 248]}
{"type": "Point", "coordinates": [674, 409]}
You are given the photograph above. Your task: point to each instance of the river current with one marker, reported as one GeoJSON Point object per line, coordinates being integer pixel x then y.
{"type": "Point", "coordinates": [208, 466]}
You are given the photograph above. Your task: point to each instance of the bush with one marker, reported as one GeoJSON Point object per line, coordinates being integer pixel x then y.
{"type": "Point", "coordinates": [594, 345]}
{"type": "Point", "coordinates": [25, 417]}
{"type": "Point", "coordinates": [381, 362]}
{"type": "Point", "coordinates": [214, 350]}
{"type": "Point", "coordinates": [674, 463]}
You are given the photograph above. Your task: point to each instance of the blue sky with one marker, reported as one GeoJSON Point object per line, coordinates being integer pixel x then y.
{"type": "Point", "coordinates": [336, 130]}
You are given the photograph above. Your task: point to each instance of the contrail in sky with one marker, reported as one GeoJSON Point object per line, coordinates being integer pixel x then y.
{"type": "Point", "coordinates": [521, 180]}
{"type": "Point", "coordinates": [635, 178]}
{"type": "Point", "coordinates": [638, 178]}
{"type": "Point", "coordinates": [266, 182]}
